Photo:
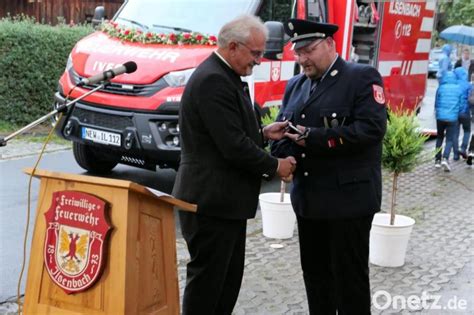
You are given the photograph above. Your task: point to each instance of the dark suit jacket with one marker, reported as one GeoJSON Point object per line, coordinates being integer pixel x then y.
{"type": "Point", "coordinates": [470, 71]}
{"type": "Point", "coordinates": [222, 160]}
{"type": "Point", "coordinates": [338, 173]}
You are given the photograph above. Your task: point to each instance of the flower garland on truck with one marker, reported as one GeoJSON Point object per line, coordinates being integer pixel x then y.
{"type": "Point", "coordinates": [113, 29]}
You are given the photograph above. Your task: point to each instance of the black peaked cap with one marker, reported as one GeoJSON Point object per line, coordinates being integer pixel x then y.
{"type": "Point", "coordinates": [303, 32]}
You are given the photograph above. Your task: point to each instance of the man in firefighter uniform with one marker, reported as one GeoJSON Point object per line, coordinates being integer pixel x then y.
{"type": "Point", "coordinates": [339, 112]}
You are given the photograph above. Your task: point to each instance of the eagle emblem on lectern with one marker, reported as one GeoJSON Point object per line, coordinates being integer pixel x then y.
{"type": "Point", "coordinates": [73, 249]}
{"type": "Point", "coordinates": [75, 240]}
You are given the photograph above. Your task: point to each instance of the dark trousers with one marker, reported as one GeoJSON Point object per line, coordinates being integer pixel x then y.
{"type": "Point", "coordinates": [464, 122]}
{"type": "Point", "coordinates": [442, 127]}
{"type": "Point", "coordinates": [335, 264]}
{"type": "Point", "coordinates": [471, 144]}
{"type": "Point", "coordinates": [215, 270]}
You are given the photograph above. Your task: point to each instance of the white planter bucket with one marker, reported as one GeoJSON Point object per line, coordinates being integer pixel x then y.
{"type": "Point", "coordinates": [278, 218]}
{"type": "Point", "coordinates": [388, 243]}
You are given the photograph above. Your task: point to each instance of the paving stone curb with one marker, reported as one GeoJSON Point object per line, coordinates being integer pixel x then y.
{"type": "Point", "coordinates": [16, 149]}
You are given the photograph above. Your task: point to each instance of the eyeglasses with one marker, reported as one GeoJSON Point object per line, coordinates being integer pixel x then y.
{"type": "Point", "coordinates": [308, 49]}
{"type": "Point", "coordinates": [257, 54]}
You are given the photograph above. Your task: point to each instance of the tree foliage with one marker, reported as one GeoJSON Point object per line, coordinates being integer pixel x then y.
{"type": "Point", "coordinates": [403, 143]}
{"type": "Point", "coordinates": [456, 13]}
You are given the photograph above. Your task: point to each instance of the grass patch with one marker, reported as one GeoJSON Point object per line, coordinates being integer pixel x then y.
{"type": "Point", "coordinates": [7, 127]}
{"type": "Point", "coordinates": [37, 135]}
{"type": "Point", "coordinates": [42, 138]}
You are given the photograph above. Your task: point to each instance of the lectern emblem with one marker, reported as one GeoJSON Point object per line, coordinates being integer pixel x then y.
{"type": "Point", "coordinates": [75, 240]}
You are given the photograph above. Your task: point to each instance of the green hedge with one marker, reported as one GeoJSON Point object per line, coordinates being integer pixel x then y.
{"type": "Point", "coordinates": [32, 58]}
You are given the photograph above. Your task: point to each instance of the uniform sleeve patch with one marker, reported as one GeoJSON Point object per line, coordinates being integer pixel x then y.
{"type": "Point", "coordinates": [379, 96]}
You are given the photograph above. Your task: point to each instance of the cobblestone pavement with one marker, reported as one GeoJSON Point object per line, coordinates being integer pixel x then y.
{"type": "Point", "coordinates": [439, 258]}
{"type": "Point", "coordinates": [439, 249]}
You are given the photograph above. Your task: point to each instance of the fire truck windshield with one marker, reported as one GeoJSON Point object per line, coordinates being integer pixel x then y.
{"type": "Point", "coordinates": [164, 16]}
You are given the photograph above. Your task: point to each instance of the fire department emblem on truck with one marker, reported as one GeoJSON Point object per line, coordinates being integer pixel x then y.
{"type": "Point", "coordinates": [276, 70]}
{"type": "Point", "coordinates": [75, 240]}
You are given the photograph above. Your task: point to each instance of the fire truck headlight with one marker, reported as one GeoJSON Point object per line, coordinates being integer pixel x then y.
{"type": "Point", "coordinates": [178, 78]}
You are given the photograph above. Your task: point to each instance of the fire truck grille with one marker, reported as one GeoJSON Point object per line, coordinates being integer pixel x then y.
{"type": "Point", "coordinates": [123, 89]}
{"type": "Point", "coordinates": [103, 120]}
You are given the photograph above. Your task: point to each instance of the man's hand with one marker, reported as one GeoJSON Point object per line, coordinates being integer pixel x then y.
{"type": "Point", "coordinates": [288, 179]}
{"type": "Point", "coordinates": [276, 130]}
{"type": "Point", "coordinates": [286, 167]}
{"type": "Point", "coordinates": [296, 137]}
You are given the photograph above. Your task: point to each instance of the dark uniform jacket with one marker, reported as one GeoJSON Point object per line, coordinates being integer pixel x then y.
{"type": "Point", "coordinates": [222, 160]}
{"type": "Point", "coordinates": [338, 173]}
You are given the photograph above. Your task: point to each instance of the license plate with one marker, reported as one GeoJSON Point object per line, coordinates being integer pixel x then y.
{"type": "Point", "coordinates": [100, 136]}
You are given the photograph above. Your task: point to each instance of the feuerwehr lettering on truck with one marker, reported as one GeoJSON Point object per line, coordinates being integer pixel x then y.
{"type": "Point", "coordinates": [96, 45]}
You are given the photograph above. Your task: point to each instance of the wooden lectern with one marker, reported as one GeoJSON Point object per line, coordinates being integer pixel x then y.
{"type": "Point", "coordinates": [139, 274]}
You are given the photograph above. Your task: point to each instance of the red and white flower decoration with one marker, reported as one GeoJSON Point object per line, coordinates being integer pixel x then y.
{"type": "Point", "coordinates": [113, 29]}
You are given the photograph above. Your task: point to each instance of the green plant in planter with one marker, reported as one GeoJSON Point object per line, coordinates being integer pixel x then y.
{"type": "Point", "coordinates": [269, 118]}
{"type": "Point", "coordinates": [271, 115]}
{"type": "Point", "coordinates": [402, 149]}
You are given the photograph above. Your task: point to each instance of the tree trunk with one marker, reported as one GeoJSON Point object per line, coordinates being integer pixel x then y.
{"type": "Point", "coordinates": [394, 198]}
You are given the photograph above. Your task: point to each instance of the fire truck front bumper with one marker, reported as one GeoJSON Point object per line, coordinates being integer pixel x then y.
{"type": "Point", "coordinates": [148, 139]}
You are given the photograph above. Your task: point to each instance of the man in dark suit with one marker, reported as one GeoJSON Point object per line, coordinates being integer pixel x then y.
{"type": "Point", "coordinates": [339, 110]}
{"type": "Point", "coordinates": [466, 62]}
{"type": "Point", "coordinates": [222, 164]}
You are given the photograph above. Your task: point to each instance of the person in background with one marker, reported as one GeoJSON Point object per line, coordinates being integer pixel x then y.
{"type": "Point", "coordinates": [339, 110]}
{"type": "Point", "coordinates": [466, 62]}
{"type": "Point", "coordinates": [470, 154]}
{"type": "Point", "coordinates": [464, 119]}
{"type": "Point", "coordinates": [222, 165]}
{"type": "Point", "coordinates": [447, 103]}
{"type": "Point", "coordinates": [445, 61]}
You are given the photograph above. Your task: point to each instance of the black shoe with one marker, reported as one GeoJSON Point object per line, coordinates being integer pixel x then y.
{"type": "Point", "coordinates": [469, 158]}
{"type": "Point", "coordinates": [463, 154]}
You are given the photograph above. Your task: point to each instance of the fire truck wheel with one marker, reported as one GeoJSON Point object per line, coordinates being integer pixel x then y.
{"type": "Point", "coordinates": [89, 159]}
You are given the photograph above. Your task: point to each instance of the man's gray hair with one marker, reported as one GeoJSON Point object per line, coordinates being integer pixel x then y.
{"type": "Point", "coordinates": [239, 30]}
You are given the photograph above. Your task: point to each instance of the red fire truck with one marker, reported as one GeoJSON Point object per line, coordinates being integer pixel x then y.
{"type": "Point", "coordinates": [133, 120]}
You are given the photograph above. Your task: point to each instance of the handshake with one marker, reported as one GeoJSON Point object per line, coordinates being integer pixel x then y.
{"type": "Point", "coordinates": [286, 166]}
